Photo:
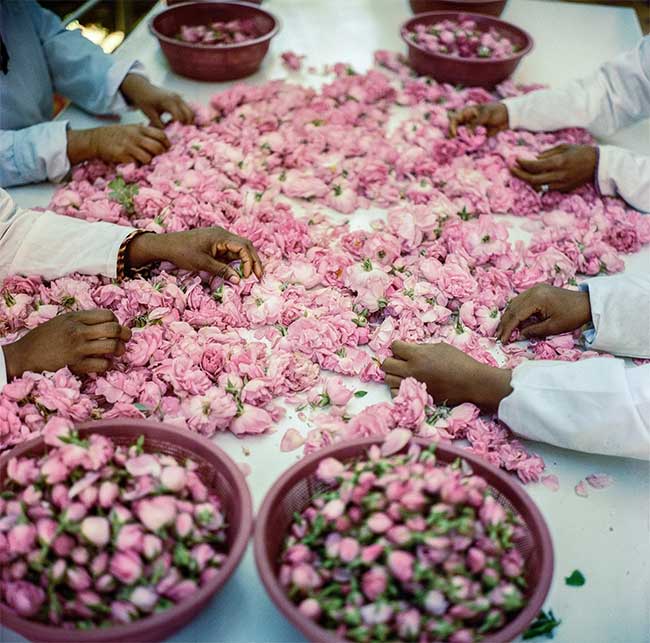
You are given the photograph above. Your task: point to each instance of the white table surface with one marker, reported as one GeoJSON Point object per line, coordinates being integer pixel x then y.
{"type": "Point", "coordinates": [606, 536]}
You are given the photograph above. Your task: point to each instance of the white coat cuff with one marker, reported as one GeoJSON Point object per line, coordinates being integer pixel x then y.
{"type": "Point", "coordinates": [3, 370]}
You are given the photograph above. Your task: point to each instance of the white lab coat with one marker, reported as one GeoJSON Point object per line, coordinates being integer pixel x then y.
{"type": "Point", "coordinates": [599, 405]}
{"type": "Point", "coordinates": [617, 95]}
{"type": "Point", "coordinates": [52, 245]}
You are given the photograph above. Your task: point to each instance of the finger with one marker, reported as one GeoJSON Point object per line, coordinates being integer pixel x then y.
{"type": "Point", "coordinates": [558, 149]}
{"type": "Point", "coordinates": [538, 166]}
{"type": "Point", "coordinates": [91, 365]}
{"type": "Point", "coordinates": [394, 392]}
{"type": "Point", "coordinates": [393, 381]}
{"type": "Point", "coordinates": [157, 134]}
{"type": "Point", "coordinates": [154, 118]}
{"type": "Point", "coordinates": [397, 367]}
{"type": "Point", "coordinates": [514, 315]}
{"type": "Point", "coordinates": [219, 269]}
{"type": "Point", "coordinates": [403, 350]}
{"type": "Point", "coordinates": [552, 179]}
{"type": "Point", "coordinates": [454, 121]}
{"type": "Point", "coordinates": [96, 316]}
{"type": "Point", "coordinates": [108, 330]}
{"type": "Point", "coordinates": [153, 146]}
{"type": "Point", "coordinates": [140, 154]}
{"type": "Point", "coordinates": [101, 347]}
{"type": "Point", "coordinates": [188, 111]}
{"type": "Point", "coordinates": [258, 267]}
{"type": "Point", "coordinates": [541, 329]}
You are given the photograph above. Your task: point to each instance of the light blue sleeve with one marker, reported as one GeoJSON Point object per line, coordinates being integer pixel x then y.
{"type": "Point", "coordinates": [34, 154]}
{"type": "Point", "coordinates": [589, 333]}
{"type": "Point", "coordinates": [80, 70]}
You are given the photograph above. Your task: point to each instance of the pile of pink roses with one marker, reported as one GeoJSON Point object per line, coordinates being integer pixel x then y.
{"type": "Point", "coordinates": [94, 534]}
{"type": "Point", "coordinates": [219, 33]}
{"type": "Point", "coordinates": [399, 547]}
{"type": "Point", "coordinates": [276, 163]}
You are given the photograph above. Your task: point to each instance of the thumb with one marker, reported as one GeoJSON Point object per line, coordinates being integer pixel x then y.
{"type": "Point", "coordinates": [541, 329]}
{"type": "Point", "coordinates": [153, 116]}
{"type": "Point", "coordinates": [218, 268]}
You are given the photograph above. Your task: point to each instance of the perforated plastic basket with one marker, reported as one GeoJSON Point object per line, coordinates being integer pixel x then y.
{"type": "Point", "coordinates": [216, 470]}
{"type": "Point", "coordinates": [294, 489]}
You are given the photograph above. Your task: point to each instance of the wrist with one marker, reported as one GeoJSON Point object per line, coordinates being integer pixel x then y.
{"type": "Point", "coordinates": [493, 386]}
{"type": "Point", "coordinates": [142, 250]}
{"type": "Point", "coordinates": [132, 86]}
{"type": "Point", "coordinates": [14, 365]}
{"type": "Point", "coordinates": [81, 145]}
{"type": "Point", "coordinates": [584, 307]}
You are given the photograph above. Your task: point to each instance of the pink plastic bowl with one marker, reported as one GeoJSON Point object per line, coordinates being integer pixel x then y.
{"type": "Point", "coordinates": [294, 489]}
{"type": "Point", "coordinates": [471, 72]}
{"type": "Point", "coordinates": [211, 62]}
{"type": "Point", "coordinates": [485, 7]}
{"type": "Point", "coordinates": [217, 471]}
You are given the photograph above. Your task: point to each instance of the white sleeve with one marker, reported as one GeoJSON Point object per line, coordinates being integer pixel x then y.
{"type": "Point", "coordinates": [617, 95]}
{"type": "Point", "coordinates": [625, 174]}
{"type": "Point", "coordinates": [596, 405]}
{"type": "Point", "coordinates": [51, 245]}
{"type": "Point", "coordinates": [620, 313]}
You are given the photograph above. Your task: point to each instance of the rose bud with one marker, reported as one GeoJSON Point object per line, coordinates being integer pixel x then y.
{"type": "Point", "coordinates": [413, 501]}
{"type": "Point", "coordinates": [121, 514]}
{"type": "Point", "coordinates": [151, 546]}
{"type": "Point", "coordinates": [105, 584]}
{"type": "Point", "coordinates": [18, 570]}
{"type": "Point", "coordinates": [310, 608]}
{"type": "Point", "coordinates": [400, 564]}
{"type": "Point", "coordinates": [57, 571]}
{"type": "Point", "coordinates": [379, 523]}
{"type": "Point", "coordinates": [417, 523]}
{"type": "Point", "coordinates": [184, 506]}
{"type": "Point", "coordinates": [349, 549]}
{"type": "Point", "coordinates": [461, 612]}
{"type": "Point", "coordinates": [145, 598]}
{"type": "Point", "coordinates": [376, 613]}
{"type": "Point", "coordinates": [475, 560]}
{"type": "Point", "coordinates": [506, 596]}
{"type": "Point", "coordinates": [491, 513]}
{"type": "Point", "coordinates": [108, 493]}
{"type": "Point", "coordinates": [88, 496]}
{"type": "Point", "coordinates": [96, 530]}
{"type": "Point", "coordinates": [512, 564]}
{"type": "Point", "coordinates": [184, 525]}
{"type": "Point", "coordinates": [207, 516]}
{"type": "Point", "coordinates": [126, 567]}
{"type": "Point", "coordinates": [459, 589]}
{"type": "Point", "coordinates": [46, 529]}
{"type": "Point", "coordinates": [208, 574]}
{"type": "Point", "coordinates": [75, 512]}
{"type": "Point", "coordinates": [329, 469]}
{"type": "Point", "coordinates": [305, 577]}
{"type": "Point", "coordinates": [370, 553]}
{"type": "Point", "coordinates": [77, 578]}
{"type": "Point", "coordinates": [36, 512]}
{"type": "Point", "coordinates": [24, 598]}
{"type": "Point", "coordinates": [332, 542]}
{"type": "Point", "coordinates": [202, 554]}
{"type": "Point", "coordinates": [172, 578]}
{"type": "Point", "coordinates": [181, 591]}
{"type": "Point", "coordinates": [299, 553]}
{"type": "Point", "coordinates": [399, 535]}
{"type": "Point", "coordinates": [173, 478]}
{"type": "Point", "coordinates": [490, 578]}
{"type": "Point", "coordinates": [374, 582]}
{"type": "Point", "coordinates": [342, 523]}
{"type": "Point", "coordinates": [31, 495]}
{"type": "Point", "coordinates": [143, 465]}
{"type": "Point", "coordinates": [462, 636]}
{"type": "Point", "coordinates": [408, 624]}
{"type": "Point", "coordinates": [90, 598]}
{"type": "Point", "coordinates": [333, 509]}
{"type": "Point", "coordinates": [60, 496]}
{"type": "Point", "coordinates": [156, 513]}
{"type": "Point", "coordinates": [460, 543]}
{"type": "Point", "coordinates": [198, 490]}
{"type": "Point", "coordinates": [99, 564]}
{"type": "Point", "coordinates": [21, 538]}
{"type": "Point", "coordinates": [435, 603]}
{"type": "Point", "coordinates": [123, 612]}
{"type": "Point", "coordinates": [80, 555]}
{"type": "Point", "coordinates": [130, 536]}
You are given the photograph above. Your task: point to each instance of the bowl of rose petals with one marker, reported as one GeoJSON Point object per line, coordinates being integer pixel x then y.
{"type": "Point", "coordinates": [118, 530]}
{"type": "Point", "coordinates": [464, 48]}
{"type": "Point", "coordinates": [402, 540]}
{"type": "Point", "coordinates": [214, 41]}
{"type": "Point", "coordinates": [486, 7]}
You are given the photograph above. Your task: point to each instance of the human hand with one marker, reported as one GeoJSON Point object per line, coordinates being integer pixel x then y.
{"type": "Point", "coordinates": [203, 249]}
{"type": "Point", "coordinates": [451, 376]}
{"type": "Point", "coordinates": [84, 341]}
{"type": "Point", "coordinates": [562, 168]}
{"type": "Point", "coordinates": [545, 310]}
{"type": "Point", "coordinates": [117, 144]}
{"type": "Point", "coordinates": [155, 101]}
{"type": "Point", "coordinates": [492, 116]}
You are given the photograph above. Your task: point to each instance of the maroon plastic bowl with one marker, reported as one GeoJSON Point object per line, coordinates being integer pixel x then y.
{"type": "Point", "coordinates": [294, 489]}
{"type": "Point", "coordinates": [216, 470]}
{"type": "Point", "coordinates": [485, 7]}
{"type": "Point", "coordinates": [479, 72]}
{"type": "Point", "coordinates": [212, 62]}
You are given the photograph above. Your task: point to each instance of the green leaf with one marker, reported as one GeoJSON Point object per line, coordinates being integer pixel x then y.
{"type": "Point", "coordinates": [123, 193]}
{"type": "Point", "coordinates": [361, 394]}
{"type": "Point", "coordinates": [576, 579]}
{"type": "Point", "coordinates": [543, 624]}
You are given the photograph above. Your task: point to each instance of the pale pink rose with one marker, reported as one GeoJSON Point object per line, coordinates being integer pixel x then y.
{"type": "Point", "coordinates": [126, 567]}
{"type": "Point", "coordinates": [251, 420]}
{"type": "Point", "coordinates": [338, 393]}
{"type": "Point", "coordinates": [410, 403]}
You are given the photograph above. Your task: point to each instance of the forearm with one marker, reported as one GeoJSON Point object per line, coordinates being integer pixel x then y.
{"type": "Point", "coordinates": [595, 405]}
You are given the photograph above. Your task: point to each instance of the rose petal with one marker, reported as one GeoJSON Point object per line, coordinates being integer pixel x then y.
{"type": "Point", "coordinates": [551, 482]}
{"type": "Point", "coordinates": [599, 480]}
{"type": "Point", "coordinates": [581, 489]}
{"type": "Point", "coordinates": [291, 440]}
{"type": "Point", "coordinates": [395, 441]}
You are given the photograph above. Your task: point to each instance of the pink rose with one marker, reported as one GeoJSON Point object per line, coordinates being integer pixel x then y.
{"type": "Point", "coordinates": [410, 403]}
{"type": "Point", "coordinates": [251, 420]}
